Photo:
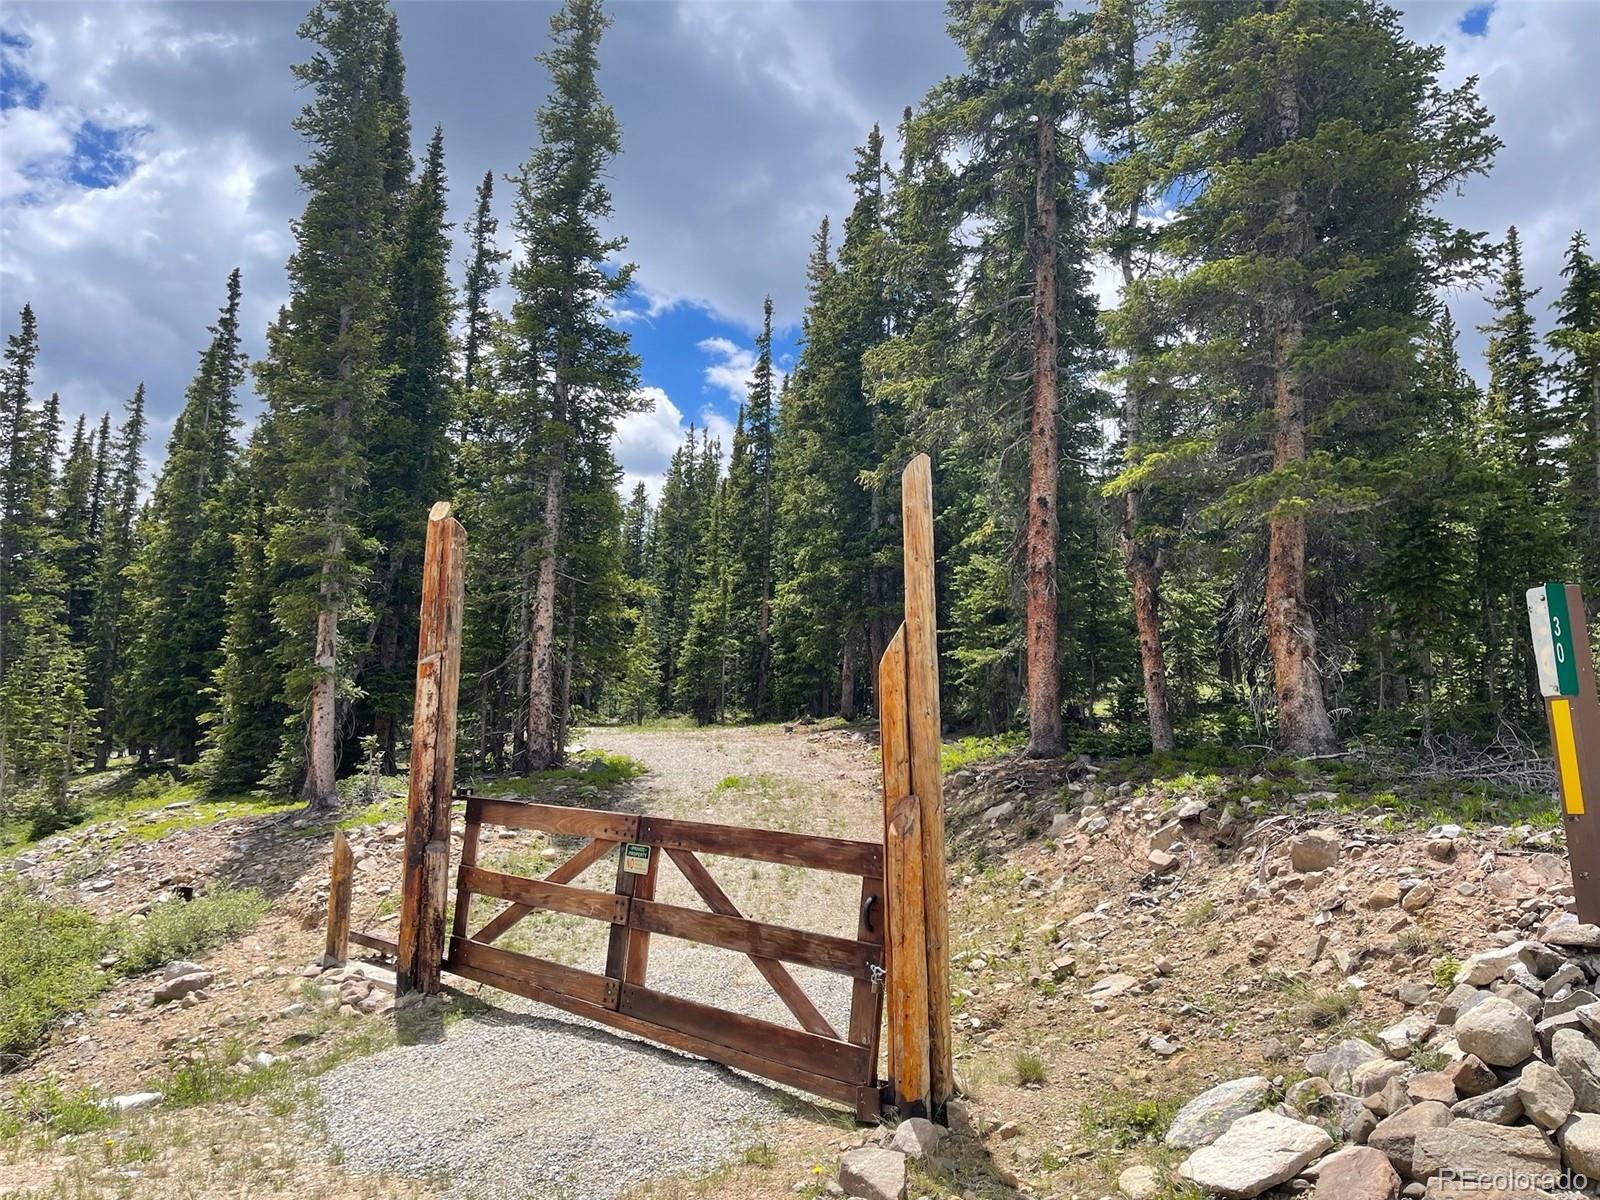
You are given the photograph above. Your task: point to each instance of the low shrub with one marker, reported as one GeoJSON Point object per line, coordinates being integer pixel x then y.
{"type": "Point", "coordinates": [183, 928]}
{"type": "Point", "coordinates": [49, 967]}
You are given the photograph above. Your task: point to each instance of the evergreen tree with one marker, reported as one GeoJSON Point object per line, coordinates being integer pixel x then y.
{"type": "Point", "coordinates": [566, 359]}
{"type": "Point", "coordinates": [187, 560]}
{"type": "Point", "coordinates": [1576, 342]}
{"type": "Point", "coordinates": [74, 534]}
{"type": "Point", "coordinates": [636, 533]}
{"type": "Point", "coordinates": [827, 441]}
{"type": "Point", "coordinates": [324, 374]}
{"type": "Point", "coordinates": [110, 626]}
{"type": "Point", "coordinates": [752, 513]}
{"type": "Point", "coordinates": [246, 724]}
{"type": "Point", "coordinates": [1120, 79]}
{"type": "Point", "coordinates": [20, 507]}
{"type": "Point", "coordinates": [410, 451]}
{"type": "Point", "coordinates": [482, 277]}
{"type": "Point", "coordinates": [1311, 139]}
{"type": "Point", "coordinates": [708, 653]}
{"type": "Point", "coordinates": [1012, 114]}
{"type": "Point", "coordinates": [1520, 538]}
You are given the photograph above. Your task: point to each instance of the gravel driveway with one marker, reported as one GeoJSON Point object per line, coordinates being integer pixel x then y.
{"type": "Point", "coordinates": [527, 1101]}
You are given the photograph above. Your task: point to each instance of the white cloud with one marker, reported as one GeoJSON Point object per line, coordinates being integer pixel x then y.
{"type": "Point", "coordinates": [644, 441]}
{"type": "Point", "coordinates": [731, 369]}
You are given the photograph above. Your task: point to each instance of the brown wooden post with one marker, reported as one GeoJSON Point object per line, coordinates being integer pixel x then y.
{"type": "Point", "coordinates": [927, 779]}
{"type": "Point", "coordinates": [905, 951]}
{"type": "Point", "coordinates": [433, 755]}
{"type": "Point", "coordinates": [340, 874]}
{"type": "Point", "coordinates": [644, 888]}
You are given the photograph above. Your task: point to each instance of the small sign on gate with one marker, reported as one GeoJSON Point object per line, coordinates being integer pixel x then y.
{"type": "Point", "coordinates": [636, 859]}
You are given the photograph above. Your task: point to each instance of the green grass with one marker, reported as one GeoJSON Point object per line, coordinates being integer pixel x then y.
{"type": "Point", "coordinates": [589, 766]}
{"type": "Point", "coordinates": [50, 954]}
{"type": "Point", "coordinates": [49, 958]}
{"type": "Point", "coordinates": [1125, 1120]}
{"type": "Point", "coordinates": [44, 1107]}
{"type": "Point", "coordinates": [137, 800]}
{"type": "Point", "coordinates": [964, 752]}
{"type": "Point", "coordinates": [182, 928]}
{"type": "Point", "coordinates": [1029, 1068]}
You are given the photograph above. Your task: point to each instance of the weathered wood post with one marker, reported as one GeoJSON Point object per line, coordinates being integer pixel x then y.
{"type": "Point", "coordinates": [340, 873]}
{"type": "Point", "coordinates": [927, 779]}
{"type": "Point", "coordinates": [905, 950]}
{"type": "Point", "coordinates": [1566, 680]}
{"type": "Point", "coordinates": [433, 755]}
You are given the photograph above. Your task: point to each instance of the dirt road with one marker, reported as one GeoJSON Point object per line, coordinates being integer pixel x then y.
{"type": "Point", "coordinates": [528, 1101]}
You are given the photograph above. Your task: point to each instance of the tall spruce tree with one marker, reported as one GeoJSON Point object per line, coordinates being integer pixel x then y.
{"type": "Point", "coordinates": [578, 369]}
{"type": "Point", "coordinates": [1310, 138]}
{"type": "Point", "coordinates": [183, 568]}
{"type": "Point", "coordinates": [1013, 113]}
{"type": "Point", "coordinates": [1520, 538]}
{"type": "Point", "coordinates": [324, 374]}
{"type": "Point", "coordinates": [1576, 343]}
{"type": "Point", "coordinates": [410, 460]}
{"type": "Point", "coordinates": [110, 626]}
{"type": "Point", "coordinates": [751, 506]}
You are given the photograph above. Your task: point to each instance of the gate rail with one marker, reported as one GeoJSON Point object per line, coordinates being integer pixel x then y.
{"type": "Point", "coordinates": [814, 1058]}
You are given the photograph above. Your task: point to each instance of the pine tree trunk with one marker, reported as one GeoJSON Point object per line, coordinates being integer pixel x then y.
{"type": "Point", "coordinates": [847, 684]}
{"type": "Point", "coordinates": [1042, 520]}
{"type": "Point", "coordinates": [1143, 562]}
{"type": "Point", "coordinates": [1144, 574]}
{"type": "Point", "coordinates": [322, 717]}
{"type": "Point", "coordinates": [542, 750]}
{"type": "Point", "coordinates": [1303, 724]}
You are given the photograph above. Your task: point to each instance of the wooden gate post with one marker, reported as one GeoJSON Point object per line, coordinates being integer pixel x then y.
{"type": "Point", "coordinates": [433, 755]}
{"type": "Point", "coordinates": [927, 780]}
{"type": "Point", "coordinates": [340, 872]}
{"type": "Point", "coordinates": [905, 947]}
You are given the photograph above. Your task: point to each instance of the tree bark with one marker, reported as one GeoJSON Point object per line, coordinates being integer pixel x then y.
{"type": "Point", "coordinates": [1303, 724]}
{"type": "Point", "coordinates": [542, 749]}
{"type": "Point", "coordinates": [1042, 519]}
{"type": "Point", "coordinates": [1142, 561]}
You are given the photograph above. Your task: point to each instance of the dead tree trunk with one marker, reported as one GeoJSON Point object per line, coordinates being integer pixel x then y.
{"type": "Point", "coordinates": [1042, 519]}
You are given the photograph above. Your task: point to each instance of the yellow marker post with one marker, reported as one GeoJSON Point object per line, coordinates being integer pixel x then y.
{"type": "Point", "coordinates": [1567, 756]}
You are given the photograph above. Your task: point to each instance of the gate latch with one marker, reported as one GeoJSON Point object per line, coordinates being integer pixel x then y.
{"type": "Point", "coordinates": [878, 975]}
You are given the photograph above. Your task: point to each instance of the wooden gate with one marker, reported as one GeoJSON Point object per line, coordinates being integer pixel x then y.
{"type": "Point", "coordinates": [816, 1057]}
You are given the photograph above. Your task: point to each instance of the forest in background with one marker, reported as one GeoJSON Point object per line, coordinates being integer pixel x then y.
{"type": "Point", "coordinates": [1260, 499]}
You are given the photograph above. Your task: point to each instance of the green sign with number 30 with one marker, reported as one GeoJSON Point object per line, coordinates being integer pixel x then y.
{"type": "Point", "coordinates": [1553, 649]}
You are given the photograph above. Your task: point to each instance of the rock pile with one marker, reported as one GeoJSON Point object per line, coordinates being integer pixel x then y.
{"type": "Point", "coordinates": [1499, 1087]}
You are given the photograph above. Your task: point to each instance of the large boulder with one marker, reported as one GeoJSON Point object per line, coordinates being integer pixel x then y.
{"type": "Point", "coordinates": [1314, 850]}
{"type": "Point", "coordinates": [1357, 1173]}
{"type": "Point", "coordinates": [1578, 1060]}
{"type": "Point", "coordinates": [177, 987]}
{"type": "Point", "coordinates": [1484, 1149]}
{"type": "Point", "coordinates": [1337, 1063]}
{"type": "Point", "coordinates": [1497, 1031]}
{"type": "Point", "coordinates": [917, 1137]}
{"type": "Point", "coordinates": [1502, 1106]}
{"type": "Point", "coordinates": [1259, 1152]}
{"type": "Point", "coordinates": [1207, 1117]}
{"type": "Point", "coordinates": [1547, 1098]}
{"type": "Point", "coordinates": [1396, 1135]}
{"type": "Point", "coordinates": [1580, 1144]}
{"type": "Point", "coordinates": [871, 1173]}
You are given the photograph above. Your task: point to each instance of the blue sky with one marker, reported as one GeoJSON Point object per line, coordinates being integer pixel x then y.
{"type": "Point", "coordinates": [146, 149]}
